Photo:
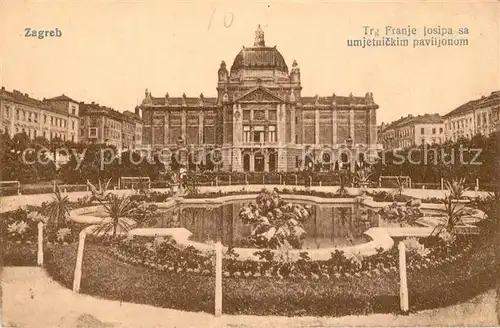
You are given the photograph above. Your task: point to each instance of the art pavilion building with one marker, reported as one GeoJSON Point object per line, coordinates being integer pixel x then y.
{"type": "Point", "coordinates": [259, 120]}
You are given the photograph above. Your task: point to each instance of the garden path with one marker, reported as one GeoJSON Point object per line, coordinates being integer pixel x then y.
{"type": "Point", "coordinates": [32, 299]}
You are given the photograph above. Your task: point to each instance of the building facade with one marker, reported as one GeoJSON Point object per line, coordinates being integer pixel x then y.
{"type": "Point", "coordinates": [132, 130]}
{"type": "Point", "coordinates": [476, 116]}
{"type": "Point", "coordinates": [259, 120]}
{"type": "Point", "coordinates": [413, 131]}
{"type": "Point", "coordinates": [104, 125]}
{"type": "Point", "coordinates": [50, 118]}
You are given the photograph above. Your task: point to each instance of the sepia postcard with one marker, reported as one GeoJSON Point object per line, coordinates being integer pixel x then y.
{"type": "Point", "coordinates": [249, 163]}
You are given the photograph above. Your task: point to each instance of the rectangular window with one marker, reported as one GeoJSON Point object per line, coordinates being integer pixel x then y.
{"type": "Point", "coordinates": [17, 114]}
{"type": "Point", "coordinates": [246, 133]}
{"type": "Point", "coordinates": [73, 125]}
{"type": "Point", "coordinates": [51, 120]}
{"type": "Point", "coordinates": [440, 130]}
{"type": "Point", "coordinates": [44, 118]}
{"type": "Point", "coordinates": [45, 134]}
{"type": "Point", "coordinates": [34, 133]}
{"type": "Point", "coordinates": [92, 132]}
{"type": "Point", "coordinates": [422, 131]}
{"type": "Point", "coordinates": [258, 134]}
{"type": "Point", "coordinates": [433, 130]}
{"type": "Point", "coordinates": [73, 110]}
{"type": "Point", "coordinates": [24, 115]}
{"type": "Point", "coordinates": [272, 133]}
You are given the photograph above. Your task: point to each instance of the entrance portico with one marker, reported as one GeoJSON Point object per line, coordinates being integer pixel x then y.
{"type": "Point", "coordinates": [259, 160]}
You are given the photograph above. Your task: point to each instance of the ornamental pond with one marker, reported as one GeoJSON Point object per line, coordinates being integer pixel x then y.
{"type": "Point", "coordinates": [330, 225]}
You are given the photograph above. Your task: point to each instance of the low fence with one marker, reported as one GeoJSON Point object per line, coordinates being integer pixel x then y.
{"type": "Point", "coordinates": [8, 188]}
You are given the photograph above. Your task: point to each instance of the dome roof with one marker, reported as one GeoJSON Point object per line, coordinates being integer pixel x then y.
{"type": "Point", "coordinates": [259, 58]}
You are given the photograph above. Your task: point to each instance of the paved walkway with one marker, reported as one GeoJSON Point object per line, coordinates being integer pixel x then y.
{"type": "Point", "coordinates": [9, 203]}
{"type": "Point", "coordinates": [32, 299]}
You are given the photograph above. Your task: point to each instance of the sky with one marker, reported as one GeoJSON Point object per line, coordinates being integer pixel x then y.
{"type": "Point", "coordinates": [110, 52]}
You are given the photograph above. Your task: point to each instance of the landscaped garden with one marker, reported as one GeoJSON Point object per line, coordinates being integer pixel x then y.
{"type": "Point", "coordinates": [282, 277]}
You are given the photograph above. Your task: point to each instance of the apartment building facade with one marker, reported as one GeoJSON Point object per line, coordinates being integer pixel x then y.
{"type": "Point", "coordinates": [476, 116]}
{"type": "Point", "coordinates": [48, 118]}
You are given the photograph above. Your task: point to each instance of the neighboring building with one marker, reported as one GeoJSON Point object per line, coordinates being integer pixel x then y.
{"type": "Point", "coordinates": [413, 131]}
{"type": "Point", "coordinates": [47, 118]}
{"type": "Point", "coordinates": [100, 124]}
{"type": "Point", "coordinates": [66, 104]}
{"type": "Point", "coordinates": [476, 116]}
{"type": "Point", "coordinates": [132, 130]}
{"type": "Point", "coordinates": [259, 119]}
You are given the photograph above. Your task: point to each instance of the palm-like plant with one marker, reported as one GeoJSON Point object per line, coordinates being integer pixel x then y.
{"type": "Point", "coordinates": [363, 176]}
{"type": "Point", "coordinates": [400, 187]}
{"type": "Point", "coordinates": [58, 210]}
{"type": "Point", "coordinates": [454, 214]}
{"type": "Point", "coordinates": [456, 188]}
{"type": "Point", "coordinates": [101, 193]}
{"type": "Point", "coordinates": [118, 208]}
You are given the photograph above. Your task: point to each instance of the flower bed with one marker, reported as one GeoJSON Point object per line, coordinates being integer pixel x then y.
{"type": "Point", "coordinates": [445, 276]}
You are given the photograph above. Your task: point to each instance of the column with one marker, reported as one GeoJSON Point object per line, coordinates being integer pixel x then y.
{"type": "Point", "coordinates": [266, 161]}
{"type": "Point", "coordinates": [351, 124]}
{"type": "Point", "coordinates": [292, 124]}
{"type": "Point", "coordinates": [252, 161]}
{"type": "Point", "coordinates": [201, 119]}
{"type": "Point", "coordinates": [281, 125]}
{"type": "Point", "coordinates": [334, 126]}
{"type": "Point", "coordinates": [373, 127]}
{"type": "Point", "coordinates": [281, 159]}
{"type": "Point", "coordinates": [237, 160]}
{"type": "Point", "coordinates": [183, 125]}
{"type": "Point", "coordinates": [165, 129]}
{"type": "Point", "coordinates": [316, 125]}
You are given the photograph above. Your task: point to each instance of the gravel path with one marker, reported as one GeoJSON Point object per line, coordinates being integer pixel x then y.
{"type": "Point", "coordinates": [32, 299]}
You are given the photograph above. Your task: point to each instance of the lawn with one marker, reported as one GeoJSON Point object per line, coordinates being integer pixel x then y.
{"type": "Point", "coordinates": [106, 276]}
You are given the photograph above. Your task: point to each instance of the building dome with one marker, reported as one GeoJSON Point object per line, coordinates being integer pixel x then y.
{"type": "Point", "coordinates": [259, 57]}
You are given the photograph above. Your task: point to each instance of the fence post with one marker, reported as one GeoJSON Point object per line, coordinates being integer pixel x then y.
{"type": "Point", "coordinates": [79, 260]}
{"type": "Point", "coordinates": [216, 181]}
{"type": "Point", "coordinates": [54, 185]}
{"type": "Point", "coordinates": [296, 179]}
{"type": "Point", "coordinates": [18, 188]}
{"type": "Point", "coordinates": [246, 178]}
{"type": "Point", "coordinates": [119, 183]}
{"type": "Point", "coordinates": [477, 183]}
{"type": "Point", "coordinates": [263, 179]}
{"type": "Point", "coordinates": [39, 257]}
{"type": "Point", "coordinates": [380, 182]}
{"type": "Point", "coordinates": [403, 289]}
{"type": "Point", "coordinates": [281, 179]}
{"type": "Point", "coordinates": [218, 279]}
{"type": "Point", "coordinates": [229, 179]}
{"type": "Point", "coordinates": [442, 183]}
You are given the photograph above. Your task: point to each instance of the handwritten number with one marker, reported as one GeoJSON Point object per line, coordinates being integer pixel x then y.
{"type": "Point", "coordinates": [228, 19]}
{"type": "Point", "coordinates": [226, 24]}
{"type": "Point", "coordinates": [211, 18]}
